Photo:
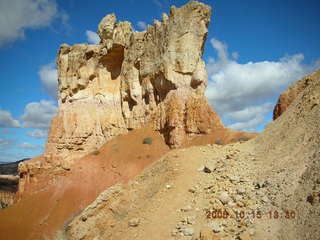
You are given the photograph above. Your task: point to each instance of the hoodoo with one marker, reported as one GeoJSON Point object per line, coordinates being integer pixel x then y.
{"type": "Point", "coordinates": [112, 95]}
{"type": "Point", "coordinates": [134, 79]}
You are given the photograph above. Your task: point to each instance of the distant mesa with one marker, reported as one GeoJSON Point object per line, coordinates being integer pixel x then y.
{"type": "Point", "coordinates": [10, 168]}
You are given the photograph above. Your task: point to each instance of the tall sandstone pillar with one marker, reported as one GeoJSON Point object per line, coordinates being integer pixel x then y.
{"type": "Point", "coordinates": [133, 79]}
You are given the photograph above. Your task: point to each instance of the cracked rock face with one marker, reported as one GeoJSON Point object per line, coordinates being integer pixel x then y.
{"type": "Point", "coordinates": [133, 79]}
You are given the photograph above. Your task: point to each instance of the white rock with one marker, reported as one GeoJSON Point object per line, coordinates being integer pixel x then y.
{"type": "Point", "coordinates": [241, 190]}
{"type": "Point", "coordinates": [224, 197]}
{"type": "Point", "coordinates": [191, 220]}
{"type": "Point", "coordinates": [187, 231]}
{"type": "Point", "coordinates": [186, 208]}
{"type": "Point", "coordinates": [134, 222]}
{"type": "Point", "coordinates": [234, 179]}
{"type": "Point", "coordinates": [204, 169]}
{"type": "Point", "coordinates": [215, 226]}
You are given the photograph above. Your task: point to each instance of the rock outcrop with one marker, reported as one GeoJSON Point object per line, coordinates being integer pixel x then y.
{"type": "Point", "coordinates": [273, 180]}
{"type": "Point", "coordinates": [289, 95]}
{"type": "Point", "coordinates": [132, 79]}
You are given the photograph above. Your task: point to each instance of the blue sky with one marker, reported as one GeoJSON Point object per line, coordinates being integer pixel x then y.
{"type": "Point", "coordinates": [255, 49]}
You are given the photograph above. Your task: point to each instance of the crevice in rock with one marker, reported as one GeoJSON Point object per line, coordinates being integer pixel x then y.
{"type": "Point", "coordinates": [162, 86]}
{"type": "Point", "coordinates": [113, 60]}
{"type": "Point", "coordinates": [195, 83]}
{"type": "Point", "coordinates": [165, 132]}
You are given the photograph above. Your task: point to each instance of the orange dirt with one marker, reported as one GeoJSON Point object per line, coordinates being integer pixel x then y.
{"type": "Point", "coordinates": [50, 199]}
{"type": "Point", "coordinates": [220, 136]}
{"type": "Point", "coordinates": [43, 212]}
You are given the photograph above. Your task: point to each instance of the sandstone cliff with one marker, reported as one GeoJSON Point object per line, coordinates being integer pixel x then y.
{"type": "Point", "coordinates": [132, 79]}
{"type": "Point", "coordinates": [289, 95]}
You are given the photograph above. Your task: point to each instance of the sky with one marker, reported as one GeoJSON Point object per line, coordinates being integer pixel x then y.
{"type": "Point", "coordinates": [254, 51]}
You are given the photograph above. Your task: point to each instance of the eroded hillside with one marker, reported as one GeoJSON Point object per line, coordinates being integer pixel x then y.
{"type": "Point", "coordinates": [268, 186]}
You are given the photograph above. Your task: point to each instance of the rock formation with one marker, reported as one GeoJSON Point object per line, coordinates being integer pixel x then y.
{"type": "Point", "coordinates": [288, 96]}
{"type": "Point", "coordinates": [151, 85]}
{"type": "Point", "coordinates": [133, 79]}
{"type": "Point", "coordinates": [277, 172]}
{"type": "Point", "coordinates": [130, 81]}
{"type": "Point", "coordinates": [131, 86]}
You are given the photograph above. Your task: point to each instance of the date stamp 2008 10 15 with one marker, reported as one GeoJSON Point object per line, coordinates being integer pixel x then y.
{"type": "Point", "coordinates": [272, 214]}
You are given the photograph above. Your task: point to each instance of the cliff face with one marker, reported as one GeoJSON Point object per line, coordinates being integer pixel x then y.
{"type": "Point", "coordinates": [289, 95]}
{"type": "Point", "coordinates": [133, 79]}
{"type": "Point", "coordinates": [130, 81]}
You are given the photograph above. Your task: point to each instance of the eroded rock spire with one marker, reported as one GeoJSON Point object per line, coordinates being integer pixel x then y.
{"type": "Point", "coordinates": [132, 79]}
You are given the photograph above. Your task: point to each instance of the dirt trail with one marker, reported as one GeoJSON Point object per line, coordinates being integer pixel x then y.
{"type": "Point", "coordinates": [169, 194]}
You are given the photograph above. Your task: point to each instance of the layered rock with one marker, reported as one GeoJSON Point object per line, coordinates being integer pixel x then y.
{"type": "Point", "coordinates": [133, 79]}
{"type": "Point", "coordinates": [289, 95]}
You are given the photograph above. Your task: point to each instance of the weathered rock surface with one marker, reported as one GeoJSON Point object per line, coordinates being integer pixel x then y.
{"type": "Point", "coordinates": [277, 172]}
{"type": "Point", "coordinates": [289, 95]}
{"type": "Point", "coordinates": [132, 79]}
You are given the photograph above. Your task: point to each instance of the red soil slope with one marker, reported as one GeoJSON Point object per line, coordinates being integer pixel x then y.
{"type": "Point", "coordinates": [53, 197]}
{"type": "Point", "coordinates": [47, 209]}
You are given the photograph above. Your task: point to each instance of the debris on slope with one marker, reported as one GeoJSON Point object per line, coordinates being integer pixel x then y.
{"type": "Point", "coordinates": [195, 201]}
{"type": "Point", "coordinates": [265, 187]}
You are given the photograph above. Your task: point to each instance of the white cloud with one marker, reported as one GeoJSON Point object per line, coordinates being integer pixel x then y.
{"type": "Point", "coordinates": [7, 131]}
{"type": "Point", "coordinates": [249, 118]}
{"type": "Point", "coordinates": [249, 112]}
{"type": "Point", "coordinates": [158, 3]}
{"type": "Point", "coordinates": [6, 143]}
{"type": "Point", "coordinates": [7, 121]}
{"type": "Point", "coordinates": [39, 114]}
{"type": "Point", "coordinates": [235, 55]}
{"type": "Point", "coordinates": [37, 133]}
{"type": "Point", "coordinates": [29, 146]}
{"type": "Point", "coordinates": [6, 157]}
{"type": "Point", "coordinates": [239, 92]}
{"type": "Point", "coordinates": [18, 15]}
{"type": "Point", "coordinates": [250, 125]}
{"type": "Point", "coordinates": [92, 37]}
{"type": "Point", "coordinates": [142, 25]}
{"type": "Point", "coordinates": [49, 78]}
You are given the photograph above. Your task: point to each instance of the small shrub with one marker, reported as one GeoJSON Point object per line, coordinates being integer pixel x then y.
{"type": "Point", "coordinates": [218, 141]}
{"type": "Point", "coordinates": [95, 152]}
{"type": "Point", "coordinates": [115, 148]}
{"type": "Point", "coordinates": [3, 205]}
{"type": "Point", "coordinates": [147, 140]}
{"type": "Point", "coordinates": [243, 139]}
